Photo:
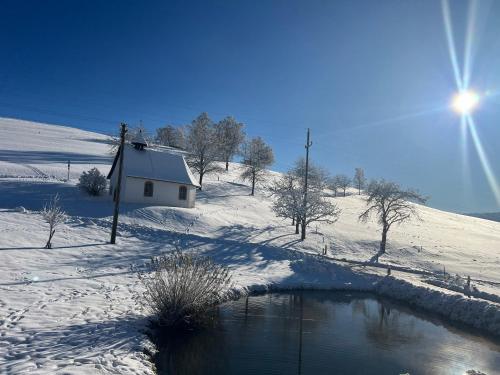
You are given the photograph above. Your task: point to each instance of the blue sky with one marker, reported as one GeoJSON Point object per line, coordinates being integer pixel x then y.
{"type": "Point", "coordinates": [372, 79]}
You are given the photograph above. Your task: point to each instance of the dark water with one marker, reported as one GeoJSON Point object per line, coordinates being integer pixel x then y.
{"type": "Point", "coordinates": [327, 333]}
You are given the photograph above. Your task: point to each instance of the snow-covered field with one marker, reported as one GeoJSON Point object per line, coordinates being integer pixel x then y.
{"type": "Point", "coordinates": [75, 309]}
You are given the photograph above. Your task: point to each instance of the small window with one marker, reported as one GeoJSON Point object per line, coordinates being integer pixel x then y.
{"type": "Point", "coordinates": [182, 193]}
{"type": "Point", "coordinates": [148, 189]}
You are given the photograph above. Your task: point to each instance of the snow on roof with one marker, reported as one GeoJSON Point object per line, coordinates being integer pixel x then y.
{"type": "Point", "coordinates": [155, 165]}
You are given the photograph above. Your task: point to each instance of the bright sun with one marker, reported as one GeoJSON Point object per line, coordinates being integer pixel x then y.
{"type": "Point", "coordinates": [464, 102]}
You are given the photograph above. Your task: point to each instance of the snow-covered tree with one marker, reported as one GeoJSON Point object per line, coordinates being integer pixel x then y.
{"type": "Point", "coordinates": [289, 195]}
{"type": "Point", "coordinates": [257, 156]}
{"type": "Point", "coordinates": [359, 179]}
{"type": "Point", "coordinates": [229, 135]}
{"type": "Point", "coordinates": [290, 200]}
{"type": "Point", "coordinates": [202, 146]}
{"type": "Point", "coordinates": [333, 184]}
{"type": "Point", "coordinates": [391, 205]}
{"type": "Point", "coordinates": [54, 215]}
{"type": "Point", "coordinates": [93, 182]}
{"type": "Point", "coordinates": [340, 182]}
{"type": "Point", "coordinates": [170, 136]}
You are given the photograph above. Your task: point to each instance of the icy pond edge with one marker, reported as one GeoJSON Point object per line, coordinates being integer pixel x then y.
{"type": "Point", "coordinates": [474, 313]}
{"type": "Point", "coordinates": [453, 306]}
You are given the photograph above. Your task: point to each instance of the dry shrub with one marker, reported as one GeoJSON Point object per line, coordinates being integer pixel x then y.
{"type": "Point", "coordinates": [183, 289]}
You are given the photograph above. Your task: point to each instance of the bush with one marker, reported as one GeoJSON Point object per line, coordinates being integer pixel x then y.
{"type": "Point", "coordinates": [182, 290]}
{"type": "Point", "coordinates": [93, 182]}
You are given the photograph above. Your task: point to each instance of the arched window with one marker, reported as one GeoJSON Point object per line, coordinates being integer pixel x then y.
{"type": "Point", "coordinates": [148, 189]}
{"type": "Point", "coordinates": [182, 193]}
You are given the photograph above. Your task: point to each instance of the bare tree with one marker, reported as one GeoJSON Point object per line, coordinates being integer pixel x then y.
{"type": "Point", "coordinates": [359, 179]}
{"type": "Point", "coordinates": [257, 156]}
{"type": "Point", "coordinates": [391, 205]}
{"type": "Point", "coordinates": [171, 136]}
{"type": "Point", "coordinates": [289, 197]}
{"type": "Point", "coordinates": [317, 176]}
{"type": "Point", "coordinates": [333, 184]}
{"type": "Point", "coordinates": [318, 209]}
{"type": "Point", "coordinates": [229, 135]}
{"type": "Point", "coordinates": [54, 215]}
{"type": "Point", "coordinates": [342, 182]}
{"type": "Point", "coordinates": [201, 144]}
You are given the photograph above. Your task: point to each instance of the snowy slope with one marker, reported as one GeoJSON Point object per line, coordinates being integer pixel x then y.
{"type": "Point", "coordinates": [30, 149]}
{"type": "Point", "coordinates": [493, 216]}
{"type": "Point", "coordinates": [74, 308]}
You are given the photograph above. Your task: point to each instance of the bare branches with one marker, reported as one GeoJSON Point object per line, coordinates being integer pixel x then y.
{"type": "Point", "coordinates": [390, 204]}
{"type": "Point", "coordinates": [319, 209]}
{"type": "Point", "coordinates": [340, 182]}
{"type": "Point", "coordinates": [359, 179]}
{"type": "Point", "coordinates": [289, 197]}
{"type": "Point", "coordinates": [54, 215]}
{"type": "Point", "coordinates": [171, 136]}
{"type": "Point", "coordinates": [257, 156]}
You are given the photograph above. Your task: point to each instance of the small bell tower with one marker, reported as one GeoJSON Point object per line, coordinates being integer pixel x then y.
{"type": "Point", "coordinates": [138, 141]}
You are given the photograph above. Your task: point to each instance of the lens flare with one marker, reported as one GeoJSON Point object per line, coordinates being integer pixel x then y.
{"type": "Point", "coordinates": [448, 28]}
{"type": "Point", "coordinates": [488, 170]}
{"type": "Point", "coordinates": [465, 101]}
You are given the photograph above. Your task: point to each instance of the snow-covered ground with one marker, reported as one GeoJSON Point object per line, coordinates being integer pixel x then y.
{"type": "Point", "coordinates": [75, 308]}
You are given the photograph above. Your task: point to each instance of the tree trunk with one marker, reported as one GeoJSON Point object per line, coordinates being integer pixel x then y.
{"type": "Point", "coordinates": [253, 183]}
{"type": "Point", "coordinates": [293, 220]}
{"type": "Point", "coordinates": [297, 226]}
{"type": "Point", "coordinates": [201, 179]}
{"type": "Point", "coordinates": [384, 239]}
{"type": "Point", "coordinates": [227, 165]}
{"type": "Point", "coordinates": [48, 245]}
{"type": "Point", "coordinates": [303, 233]}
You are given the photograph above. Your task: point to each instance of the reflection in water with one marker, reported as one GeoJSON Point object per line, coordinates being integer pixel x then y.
{"type": "Point", "coordinates": [325, 333]}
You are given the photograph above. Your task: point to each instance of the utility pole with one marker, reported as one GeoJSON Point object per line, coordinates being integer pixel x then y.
{"type": "Point", "coordinates": [307, 146]}
{"type": "Point", "coordinates": [118, 184]}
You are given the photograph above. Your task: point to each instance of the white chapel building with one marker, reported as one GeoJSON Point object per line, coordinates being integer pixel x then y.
{"type": "Point", "coordinates": [153, 177]}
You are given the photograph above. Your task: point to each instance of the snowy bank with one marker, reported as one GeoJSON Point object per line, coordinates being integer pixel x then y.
{"type": "Point", "coordinates": [476, 313]}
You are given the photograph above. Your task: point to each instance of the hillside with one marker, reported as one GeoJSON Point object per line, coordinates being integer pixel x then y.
{"type": "Point", "coordinates": [66, 299]}
{"type": "Point", "coordinates": [493, 216]}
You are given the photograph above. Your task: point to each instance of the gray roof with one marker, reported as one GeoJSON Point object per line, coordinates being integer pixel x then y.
{"type": "Point", "coordinates": [155, 165]}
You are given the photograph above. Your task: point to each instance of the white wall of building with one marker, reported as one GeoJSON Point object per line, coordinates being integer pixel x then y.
{"type": "Point", "coordinates": [164, 193]}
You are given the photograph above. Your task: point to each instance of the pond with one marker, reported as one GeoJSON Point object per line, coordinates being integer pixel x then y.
{"type": "Point", "coordinates": [327, 333]}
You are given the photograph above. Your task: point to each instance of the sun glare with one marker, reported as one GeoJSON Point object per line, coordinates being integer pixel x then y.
{"type": "Point", "coordinates": [464, 102]}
